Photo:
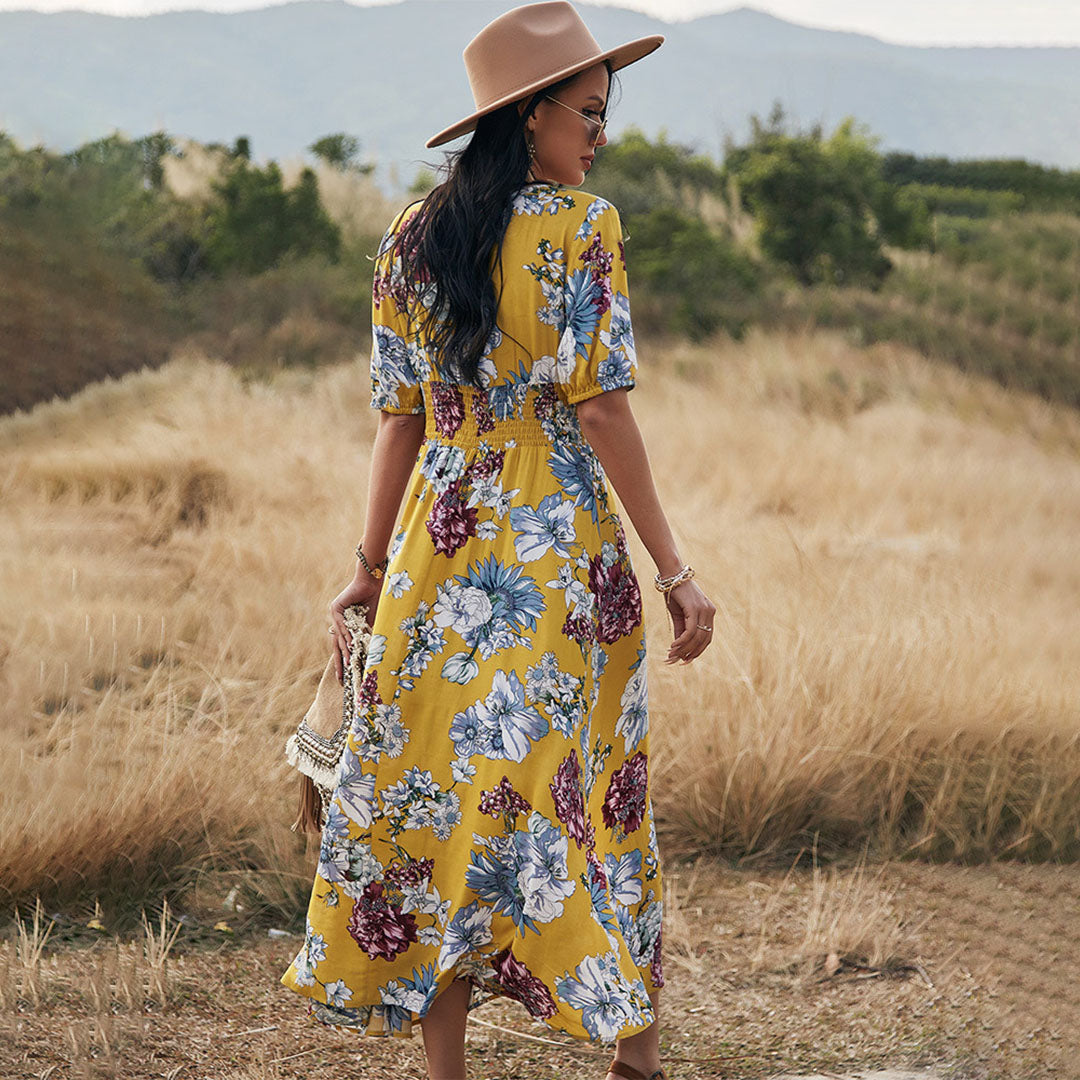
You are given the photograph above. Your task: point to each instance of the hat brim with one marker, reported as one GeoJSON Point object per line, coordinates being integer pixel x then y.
{"type": "Point", "coordinates": [620, 57]}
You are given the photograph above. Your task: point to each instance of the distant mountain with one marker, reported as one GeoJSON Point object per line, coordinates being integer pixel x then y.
{"type": "Point", "coordinates": [393, 75]}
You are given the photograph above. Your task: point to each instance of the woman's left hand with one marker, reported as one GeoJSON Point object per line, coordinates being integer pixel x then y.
{"type": "Point", "coordinates": [363, 589]}
{"type": "Point", "coordinates": [692, 614]}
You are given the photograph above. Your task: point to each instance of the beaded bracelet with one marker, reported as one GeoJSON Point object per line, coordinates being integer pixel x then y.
{"type": "Point", "coordinates": [666, 584]}
{"type": "Point", "coordinates": [380, 567]}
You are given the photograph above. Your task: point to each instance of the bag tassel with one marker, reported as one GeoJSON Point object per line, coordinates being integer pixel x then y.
{"type": "Point", "coordinates": [309, 809]}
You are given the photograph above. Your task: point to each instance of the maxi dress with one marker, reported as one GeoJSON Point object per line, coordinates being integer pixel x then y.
{"type": "Point", "coordinates": [491, 818]}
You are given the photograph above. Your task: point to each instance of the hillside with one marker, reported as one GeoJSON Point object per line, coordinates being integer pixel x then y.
{"type": "Point", "coordinates": [72, 313]}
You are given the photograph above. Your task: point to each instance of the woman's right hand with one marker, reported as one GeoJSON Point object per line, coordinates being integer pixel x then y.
{"type": "Point", "coordinates": [363, 589]}
{"type": "Point", "coordinates": [692, 614]}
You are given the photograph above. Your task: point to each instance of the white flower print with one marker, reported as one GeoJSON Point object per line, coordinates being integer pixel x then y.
{"type": "Point", "coordinates": [337, 993]}
{"type": "Point", "coordinates": [551, 369]}
{"type": "Point", "coordinates": [446, 815]}
{"type": "Point", "coordinates": [376, 650]}
{"type": "Point", "coordinates": [355, 794]}
{"type": "Point", "coordinates": [633, 721]}
{"type": "Point", "coordinates": [462, 770]}
{"type": "Point", "coordinates": [399, 584]}
{"type": "Point", "coordinates": [461, 608]}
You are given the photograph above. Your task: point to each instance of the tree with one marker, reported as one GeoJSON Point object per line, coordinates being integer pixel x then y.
{"type": "Point", "coordinates": [341, 151]}
{"type": "Point", "coordinates": [821, 206]}
{"type": "Point", "coordinates": [255, 221]}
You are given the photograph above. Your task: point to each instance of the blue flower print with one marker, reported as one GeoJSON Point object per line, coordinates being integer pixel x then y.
{"type": "Point", "coordinates": [523, 875]}
{"type": "Point", "coordinates": [400, 997]}
{"type": "Point", "coordinates": [541, 851]}
{"type": "Point", "coordinates": [548, 527]}
{"type": "Point", "coordinates": [469, 733]}
{"type": "Point", "coordinates": [516, 602]}
{"type": "Point", "coordinates": [601, 908]}
{"type": "Point", "coordinates": [581, 300]}
{"type": "Point", "coordinates": [619, 338]}
{"type": "Point", "coordinates": [512, 723]}
{"type": "Point", "coordinates": [442, 465]}
{"type": "Point", "coordinates": [540, 199]}
{"type": "Point", "coordinates": [467, 931]}
{"type": "Point", "coordinates": [608, 1002]}
{"type": "Point", "coordinates": [574, 471]}
{"type": "Point", "coordinates": [640, 929]}
{"type": "Point", "coordinates": [348, 863]}
{"type": "Point", "coordinates": [426, 641]}
{"type": "Point", "coordinates": [501, 725]}
{"type": "Point", "coordinates": [395, 362]}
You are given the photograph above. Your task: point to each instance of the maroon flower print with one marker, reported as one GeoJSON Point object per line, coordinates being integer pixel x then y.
{"type": "Point", "coordinates": [578, 628]}
{"type": "Point", "coordinates": [503, 799]}
{"type": "Point", "coordinates": [486, 465]}
{"type": "Point", "coordinates": [369, 690]}
{"type": "Point", "coordinates": [522, 985]}
{"type": "Point", "coordinates": [544, 402]}
{"type": "Point", "coordinates": [656, 969]}
{"type": "Point", "coordinates": [481, 408]}
{"type": "Point", "coordinates": [624, 800]}
{"type": "Point", "coordinates": [451, 521]}
{"type": "Point", "coordinates": [412, 872]}
{"type": "Point", "coordinates": [448, 406]}
{"type": "Point", "coordinates": [380, 928]}
{"type": "Point", "coordinates": [386, 285]}
{"type": "Point", "coordinates": [569, 798]}
{"type": "Point", "coordinates": [618, 598]}
{"type": "Point", "coordinates": [598, 259]}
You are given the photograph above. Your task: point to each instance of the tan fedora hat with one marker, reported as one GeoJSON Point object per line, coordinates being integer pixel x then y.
{"type": "Point", "coordinates": [529, 48]}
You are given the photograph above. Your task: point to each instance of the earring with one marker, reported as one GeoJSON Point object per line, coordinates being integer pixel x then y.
{"type": "Point", "coordinates": [531, 146]}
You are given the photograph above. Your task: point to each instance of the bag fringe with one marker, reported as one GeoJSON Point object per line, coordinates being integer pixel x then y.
{"type": "Point", "coordinates": [309, 807]}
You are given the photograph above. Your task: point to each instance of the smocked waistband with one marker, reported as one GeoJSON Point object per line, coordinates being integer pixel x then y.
{"type": "Point", "coordinates": [462, 416]}
{"type": "Point", "coordinates": [497, 433]}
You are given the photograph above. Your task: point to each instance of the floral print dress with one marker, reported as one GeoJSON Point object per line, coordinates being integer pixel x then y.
{"type": "Point", "coordinates": [491, 819]}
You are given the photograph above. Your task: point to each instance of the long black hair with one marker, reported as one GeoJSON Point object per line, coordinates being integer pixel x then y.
{"type": "Point", "coordinates": [446, 246]}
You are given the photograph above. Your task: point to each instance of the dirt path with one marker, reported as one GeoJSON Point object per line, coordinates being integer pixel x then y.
{"type": "Point", "coordinates": [990, 992]}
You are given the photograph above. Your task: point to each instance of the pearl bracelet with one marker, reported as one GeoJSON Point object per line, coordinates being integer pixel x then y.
{"type": "Point", "coordinates": [666, 584]}
{"type": "Point", "coordinates": [379, 568]}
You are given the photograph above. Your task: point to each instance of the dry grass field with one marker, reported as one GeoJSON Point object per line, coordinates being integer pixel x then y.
{"type": "Point", "coordinates": [893, 551]}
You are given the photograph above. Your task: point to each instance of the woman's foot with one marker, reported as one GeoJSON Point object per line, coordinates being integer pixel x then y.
{"type": "Point", "coordinates": [621, 1070]}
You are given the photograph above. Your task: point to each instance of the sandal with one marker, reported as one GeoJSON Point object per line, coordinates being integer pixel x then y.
{"type": "Point", "coordinates": [619, 1068]}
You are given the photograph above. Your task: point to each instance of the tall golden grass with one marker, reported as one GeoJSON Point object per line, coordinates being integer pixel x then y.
{"type": "Point", "coordinates": [891, 546]}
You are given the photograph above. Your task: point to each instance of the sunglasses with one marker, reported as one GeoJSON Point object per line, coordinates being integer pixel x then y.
{"type": "Point", "coordinates": [595, 128]}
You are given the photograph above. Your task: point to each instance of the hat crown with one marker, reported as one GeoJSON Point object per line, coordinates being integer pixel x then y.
{"type": "Point", "coordinates": [524, 47]}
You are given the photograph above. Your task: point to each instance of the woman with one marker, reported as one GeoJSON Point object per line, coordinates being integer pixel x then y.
{"type": "Point", "coordinates": [491, 828]}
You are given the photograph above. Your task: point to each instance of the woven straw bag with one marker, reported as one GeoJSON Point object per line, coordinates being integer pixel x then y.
{"type": "Point", "coordinates": [316, 746]}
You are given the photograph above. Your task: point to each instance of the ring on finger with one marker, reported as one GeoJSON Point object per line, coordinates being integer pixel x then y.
{"type": "Point", "coordinates": [708, 628]}
{"type": "Point", "coordinates": [330, 629]}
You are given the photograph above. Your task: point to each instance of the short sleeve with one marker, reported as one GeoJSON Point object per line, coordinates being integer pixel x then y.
{"type": "Point", "coordinates": [596, 349]}
{"type": "Point", "coordinates": [398, 366]}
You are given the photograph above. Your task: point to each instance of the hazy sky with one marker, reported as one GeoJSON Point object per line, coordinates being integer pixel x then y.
{"type": "Point", "coordinates": [912, 22]}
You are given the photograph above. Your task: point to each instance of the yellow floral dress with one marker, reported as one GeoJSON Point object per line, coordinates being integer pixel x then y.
{"type": "Point", "coordinates": [491, 819]}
